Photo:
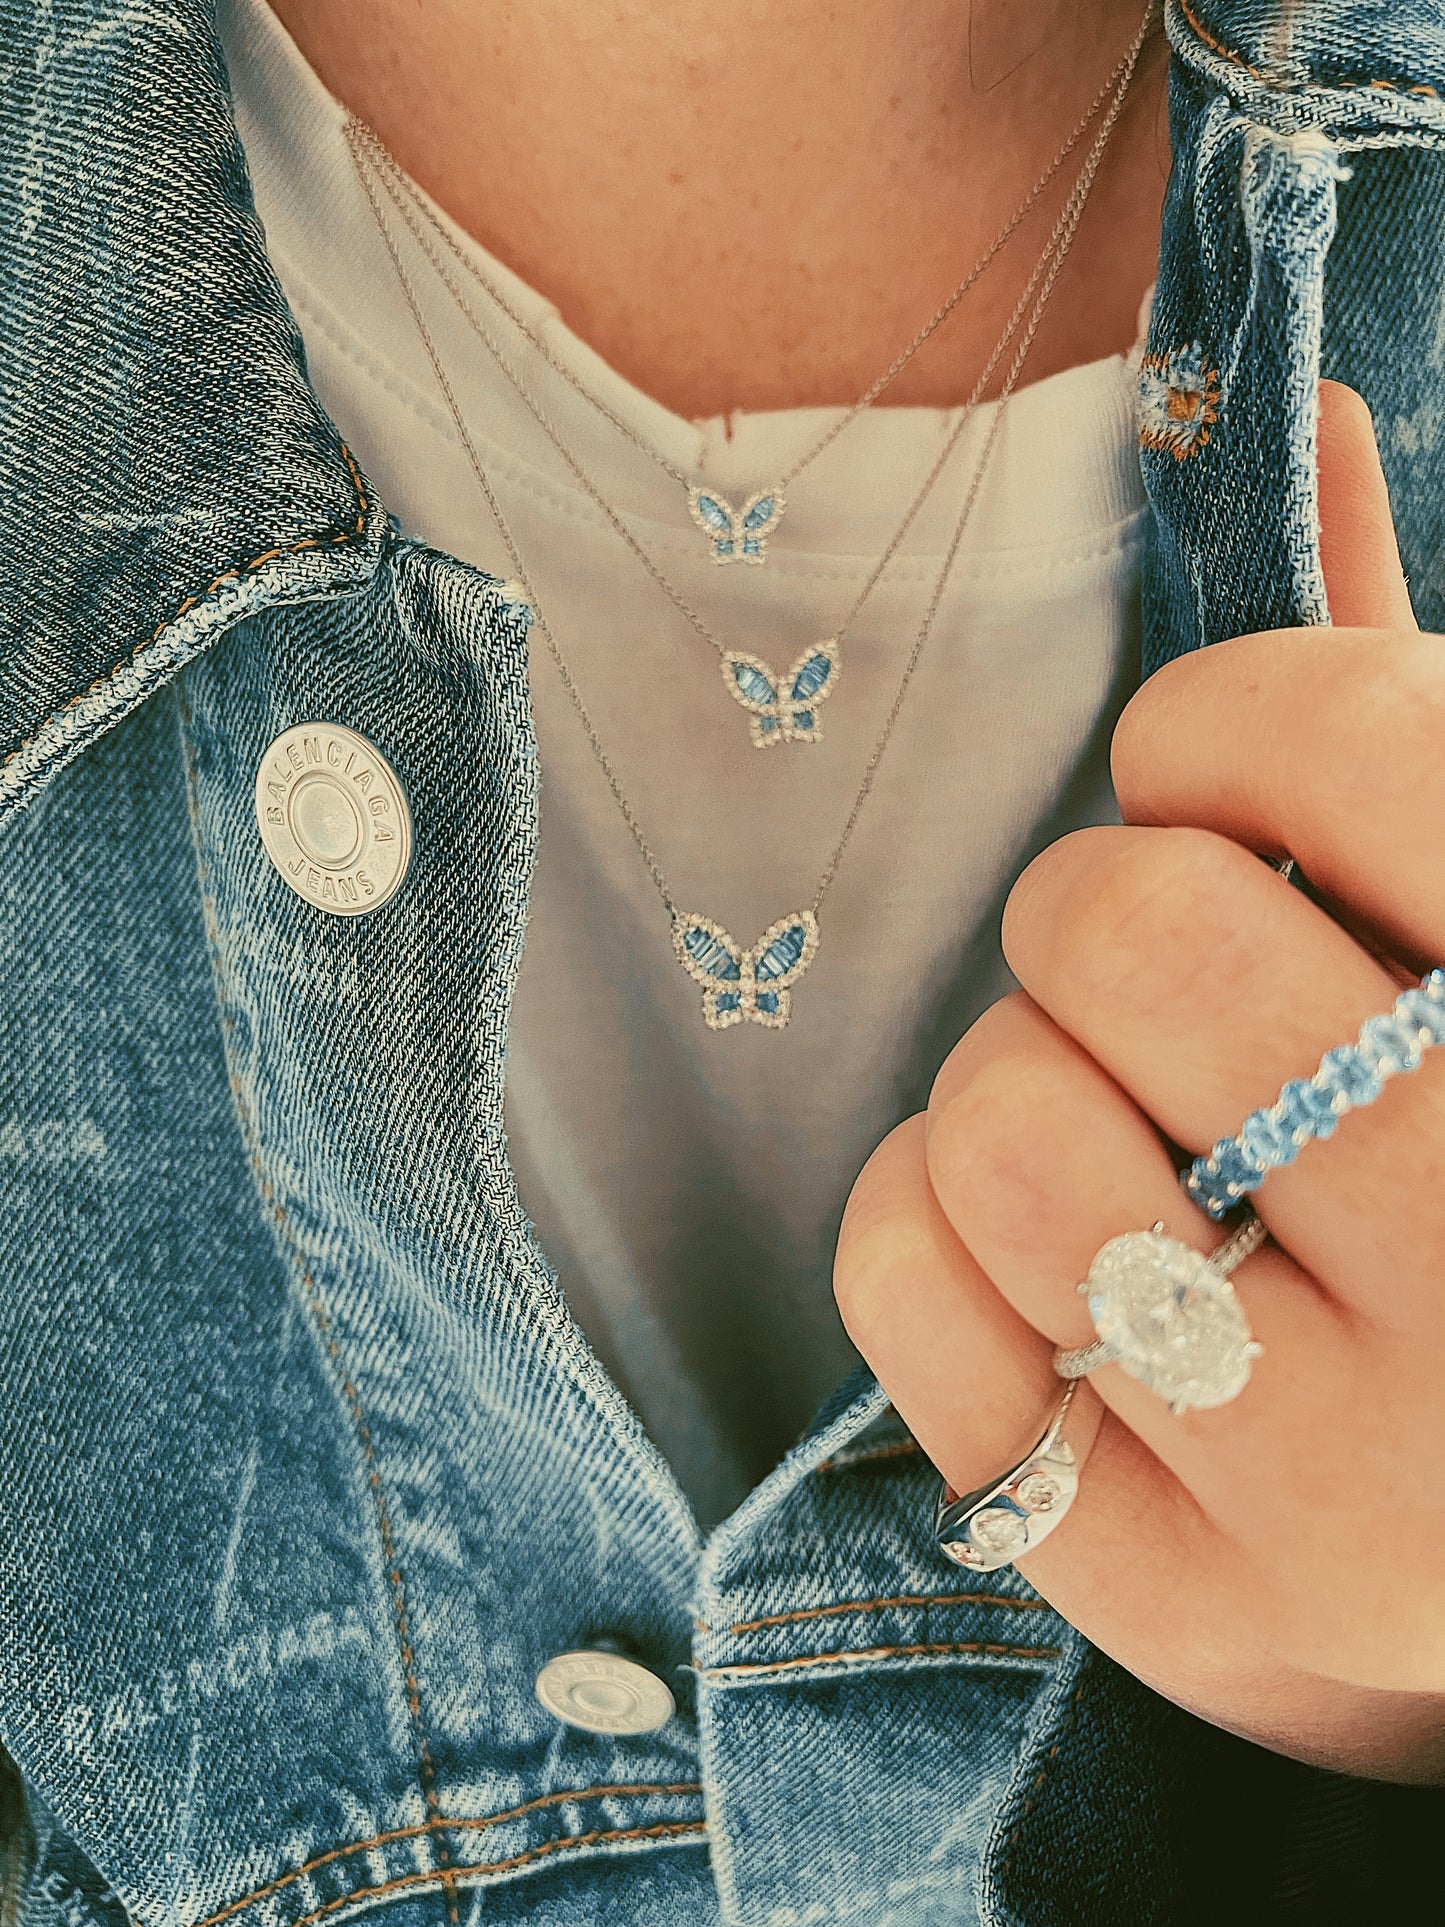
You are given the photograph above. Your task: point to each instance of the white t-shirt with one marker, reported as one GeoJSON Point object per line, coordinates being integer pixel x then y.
{"type": "Point", "coordinates": [687, 1183]}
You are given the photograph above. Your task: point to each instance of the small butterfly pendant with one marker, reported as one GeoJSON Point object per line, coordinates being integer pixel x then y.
{"type": "Point", "coordinates": [736, 535]}
{"type": "Point", "coordinates": [740, 984]}
{"type": "Point", "coordinates": [786, 713]}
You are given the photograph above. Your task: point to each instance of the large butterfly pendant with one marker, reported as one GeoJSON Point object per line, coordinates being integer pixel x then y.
{"type": "Point", "coordinates": [783, 709]}
{"type": "Point", "coordinates": [740, 984]}
{"type": "Point", "coordinates": [736, 535]}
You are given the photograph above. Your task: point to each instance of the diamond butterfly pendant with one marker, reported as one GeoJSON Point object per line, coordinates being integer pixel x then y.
{"type": "Point", "coordinates": [737, 984]}
{"type": "Point", "coordinates": [736, 535]}
{"type": "Point", "coordinates": [783, 709]}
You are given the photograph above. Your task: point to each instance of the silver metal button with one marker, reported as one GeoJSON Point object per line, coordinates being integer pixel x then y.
{"type": "Point", "coordinates": [333, 818]}
{"type": "Point", "coordinates": [604, 1693]}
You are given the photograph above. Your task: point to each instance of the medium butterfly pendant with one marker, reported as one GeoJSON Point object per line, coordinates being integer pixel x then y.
{"type": "Point", "coordinates": [783, 710]}
{"type": "Point", "coordinates": [736, 535]}
{"type": "Point", "coordinates": [740, 984]}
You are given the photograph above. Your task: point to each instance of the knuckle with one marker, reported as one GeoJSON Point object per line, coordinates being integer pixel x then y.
{"type": "Point", "coordinates": [1146, 726]}
{"type": "Point", "coordinates": [1157, 882]}
{"type": "Point", "coordinates": [1155, 915]}
{"type": "Point", "coordinates": [993, 1030]}
{"type": "Point", "coordinates": [1045, 886]}
{"type": "Point", "coordinates": [983, 1161]}
{"type": "Point", "coordinates": [1168, 727]}
{"type": "Point", "coordinates": [881, 1225]}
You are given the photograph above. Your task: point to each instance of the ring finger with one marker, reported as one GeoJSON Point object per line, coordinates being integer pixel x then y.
{"type": "Point", "coordinates": [1037, 1159]}
{"type": "Point", "coordinates": [974, 1383]}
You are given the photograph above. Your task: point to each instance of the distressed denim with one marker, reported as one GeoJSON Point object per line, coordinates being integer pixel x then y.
{"type": "Point", "coordinates": [304, 1468]}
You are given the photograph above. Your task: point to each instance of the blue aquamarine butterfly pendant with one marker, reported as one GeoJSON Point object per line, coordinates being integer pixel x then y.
{"type": "Point", "coordinates": [783, 709]}
{"type": "Point", "coordinates": [736, 535]}
{"type": "Point", "coordinates": [737, 984]}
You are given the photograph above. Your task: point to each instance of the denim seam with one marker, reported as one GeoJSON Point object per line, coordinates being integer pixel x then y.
{"type": "Point", "coordinates": [251, 1141]}
{"type": "Point", "coordinates": [1217, 46]}
{"type": "Point", "coordinates": [656, 1789]}
{"type": "Point", "coordinates": [1041, 1777]}
{"type": "Point", "coordinates": [844, 1461]}
{"type": "Point", "coordinates": [882, 1605]}
{"type": "Point", "coordinates": [992, 1648]}
{"type": "Point", "coordinates": [341, 536]}
{"type": "Point", "coordinates": [665, 1829]}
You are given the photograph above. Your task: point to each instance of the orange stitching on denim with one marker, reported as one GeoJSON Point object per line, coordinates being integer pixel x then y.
{"type": "Point", "coordinates": [1397, 87]}
{"type": "Point", "coordinates": [1041, 1776]}
{"type": "Point", "coordinates": [887, 1652]}
{"type": "Point", "coordinates": [901, 1448]}
{"type": "Point", "coordinates": [898, 1599]}
{"type": "Point", "coordinates": [657, 1787]}
{"type": "Point", "coordinates": [426, 1768]}
{"type": "Point", "coordinates": [229, 575]}
{"type": "Point", "coordinates": [1180, 397]}
{"type": "Point", "coordinates": [1217, 46]}
{"type": "Point", "coordinates": [667, 1828]}
{"type": "Point", "coordinates": [674, 1789]}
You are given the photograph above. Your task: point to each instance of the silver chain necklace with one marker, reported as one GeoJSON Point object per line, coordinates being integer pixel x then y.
{"type": "Point", "coordinates": [755, 983]}
{"type": "Point", "coordinates": [740, 533]}
{"type": "Point", "coordinates": [781, 708]}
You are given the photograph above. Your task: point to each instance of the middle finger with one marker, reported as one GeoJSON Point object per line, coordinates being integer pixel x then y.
{"type": "Point", "coordinates": [1202, 982]}
{"type": "Point", "coordinates": [1037, 1158]}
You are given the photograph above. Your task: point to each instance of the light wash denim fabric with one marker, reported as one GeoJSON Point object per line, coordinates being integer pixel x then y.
{"type": "Point", "coordinates": [304, 1470]}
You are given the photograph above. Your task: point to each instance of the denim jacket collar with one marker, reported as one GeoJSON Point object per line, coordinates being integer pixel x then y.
{"type": "Point", "coordinates": [164, 465]}
{"type": "Point", "coordinates": [1298, 64]}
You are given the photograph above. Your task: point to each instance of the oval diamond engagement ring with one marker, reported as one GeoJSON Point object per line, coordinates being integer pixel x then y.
{"type": "Point", "coordinates": [1168, 1316]}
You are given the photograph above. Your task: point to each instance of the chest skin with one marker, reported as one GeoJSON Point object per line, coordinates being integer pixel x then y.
{"type": "Point", "coordinates": [774, 201]}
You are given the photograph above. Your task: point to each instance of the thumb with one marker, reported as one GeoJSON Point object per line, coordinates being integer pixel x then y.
{"type": "Point", "coordinates": [1363, 577]}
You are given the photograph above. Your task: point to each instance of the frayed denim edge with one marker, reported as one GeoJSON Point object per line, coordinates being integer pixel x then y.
{"type": "Point", "coordinates": [314, 576]}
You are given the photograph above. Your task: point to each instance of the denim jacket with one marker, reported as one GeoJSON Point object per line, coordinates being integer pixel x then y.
{"type": "Point", "coordinates": [305, 1471]}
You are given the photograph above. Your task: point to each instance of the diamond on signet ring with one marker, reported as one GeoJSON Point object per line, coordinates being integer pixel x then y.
{"type": "Point", "coordinates": [1010, 1515]}
{"type": "Point", "coordinates": [1168, 1315]}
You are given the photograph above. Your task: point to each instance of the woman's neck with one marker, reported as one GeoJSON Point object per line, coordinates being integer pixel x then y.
{"type": "Point", "coordinates": [748, 205]}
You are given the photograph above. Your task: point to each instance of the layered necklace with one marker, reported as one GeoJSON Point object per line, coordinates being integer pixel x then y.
{"type": "Point", "coordinates": [781, 706]}
{"type": "Point", "coordinates": [754, 983]}
{"type": "Point", "coordinates": [733, 533]}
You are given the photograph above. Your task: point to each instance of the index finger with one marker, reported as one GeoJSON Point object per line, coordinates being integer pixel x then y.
{"type": "Point", "coordinates": [1324, 744]}
{"type": "Point", "coordinates": [1359, 554]}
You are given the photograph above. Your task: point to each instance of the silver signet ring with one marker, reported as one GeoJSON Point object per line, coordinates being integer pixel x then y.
{"type": "Point", "coordinates": [333, 818]}
{"type": "Point", "coordinates": [1013, 1513]}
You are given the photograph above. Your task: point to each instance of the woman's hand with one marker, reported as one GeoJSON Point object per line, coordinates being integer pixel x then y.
{"type": "Point", "coordinates": [1277, 1564]}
